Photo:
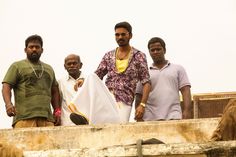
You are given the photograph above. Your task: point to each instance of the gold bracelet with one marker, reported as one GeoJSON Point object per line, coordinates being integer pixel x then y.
{"type": "Point", "coordinates": [142, 104]}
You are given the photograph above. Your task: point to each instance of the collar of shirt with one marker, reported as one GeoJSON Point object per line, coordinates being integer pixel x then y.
{"type": "Point", "coordinates": [153, 67]}
{"type": "Point", "coordinates": [71, 78]}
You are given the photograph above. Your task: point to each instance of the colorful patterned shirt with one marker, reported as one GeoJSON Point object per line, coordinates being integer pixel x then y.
{"type": "Point", "coordinates": [123, 85]}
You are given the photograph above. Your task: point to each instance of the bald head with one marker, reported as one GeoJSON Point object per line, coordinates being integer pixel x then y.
{"type": "Point", "coordinates": [73, 65]}
{"type": "Point", "coordinates": [72, 56]}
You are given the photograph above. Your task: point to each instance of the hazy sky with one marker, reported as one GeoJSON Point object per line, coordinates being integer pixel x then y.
{"type": "Point", "coordinates": [199, 34]}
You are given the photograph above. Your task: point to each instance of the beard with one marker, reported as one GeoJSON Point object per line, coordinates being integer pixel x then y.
{"type": "Point", "coordinates": [34, 57]}
{"type": "Point", "coordinates": [122, 42]}
{"type": "Point", "coordinates": [158, 59]}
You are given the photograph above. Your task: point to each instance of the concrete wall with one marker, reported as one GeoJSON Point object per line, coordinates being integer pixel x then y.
{"type": "Point", "coordinates": [100, 136]}
{"type": "Point", "coordinates": [208, 149]}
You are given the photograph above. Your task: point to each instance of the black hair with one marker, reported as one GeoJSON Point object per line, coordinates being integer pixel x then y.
{"type": "Point", "coordinates": [34, 38]}
{"type": "Point", "coordinates": [157, 40]}
{"type": "Point", "coordinates": [125, 25]}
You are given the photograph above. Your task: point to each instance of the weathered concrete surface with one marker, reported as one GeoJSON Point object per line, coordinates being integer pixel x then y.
{"type": "Point", "coordinates": [208, 149]}
{"type": "Point", "coordinates": [100, 136]}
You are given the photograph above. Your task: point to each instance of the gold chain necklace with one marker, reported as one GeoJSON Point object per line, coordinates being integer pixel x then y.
{"type": "Point", "coordinates": [123, 57]}
{"type": "Point", "coordinates": [42, 70]}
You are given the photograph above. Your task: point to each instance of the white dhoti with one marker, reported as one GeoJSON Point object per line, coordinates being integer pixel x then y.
{"type": "Point", "coordinates": [124, 111]}
{"type": "Point", "coordinates": [95, 102]}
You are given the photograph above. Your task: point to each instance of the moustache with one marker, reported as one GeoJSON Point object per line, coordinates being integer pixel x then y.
{"type": "Point", "coordinates": [121, 40]}
{"type": "Point", "coordinates": [34, 54]}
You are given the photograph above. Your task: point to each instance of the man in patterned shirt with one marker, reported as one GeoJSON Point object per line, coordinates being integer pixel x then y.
{"type": "Point", "coordinates": [124, 67]}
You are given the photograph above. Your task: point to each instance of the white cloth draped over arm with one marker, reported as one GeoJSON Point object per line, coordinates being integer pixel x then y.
{"type": "Point", "coordinates": [94, 101]}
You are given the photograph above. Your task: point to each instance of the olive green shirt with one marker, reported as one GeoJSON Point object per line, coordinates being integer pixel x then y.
{"type": "Point", "coordinates": [32, 93]}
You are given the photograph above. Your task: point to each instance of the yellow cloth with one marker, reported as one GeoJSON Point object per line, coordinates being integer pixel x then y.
{"type": "Point", "coordinates": [121, 65]}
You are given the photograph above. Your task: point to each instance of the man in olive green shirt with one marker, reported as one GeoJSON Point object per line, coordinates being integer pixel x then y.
{"type": "Point", "coordinates": [35, 89]}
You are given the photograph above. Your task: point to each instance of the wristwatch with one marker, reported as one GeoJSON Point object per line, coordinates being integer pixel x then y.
{"type": "Point", "coordinates": [142, 104]}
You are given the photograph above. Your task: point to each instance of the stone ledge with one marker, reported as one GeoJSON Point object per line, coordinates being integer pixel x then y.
{"type": "Point", "coordinates": [213, 149]}
{"type": "Point", "coordinates": [100, 136]}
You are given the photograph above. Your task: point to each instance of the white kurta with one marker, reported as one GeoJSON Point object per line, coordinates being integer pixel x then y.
{"type": "Point", "coordinates": [66, 87]}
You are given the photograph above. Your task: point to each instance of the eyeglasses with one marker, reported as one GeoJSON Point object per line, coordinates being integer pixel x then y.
{"type": "Point", "coordinates": [121, 34]}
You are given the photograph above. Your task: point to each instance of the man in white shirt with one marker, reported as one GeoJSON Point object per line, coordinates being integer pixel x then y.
{"type": "Point", "coordinates": [73, 66]}
{"type": "Point", "coordinates": [167, 81]}
{"type": "Point", "coordinates": [90, 104]}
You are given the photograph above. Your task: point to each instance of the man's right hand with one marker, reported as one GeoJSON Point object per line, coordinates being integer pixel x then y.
{"type": "Point", "coordinates": [11, 110]}
{"type": "Point", "coordinates": [78, 84]}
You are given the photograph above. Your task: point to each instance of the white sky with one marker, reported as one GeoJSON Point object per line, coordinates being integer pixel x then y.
{"type": "Point", "coordinates": [199, 34]}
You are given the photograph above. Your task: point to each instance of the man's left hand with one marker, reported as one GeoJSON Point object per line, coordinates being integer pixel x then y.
{"type": "Point", "coordinates": [57, 116]}
{"type": "Point", "coordinates": [57, 121]}
{"type": "Point", "coordinates": [186, 115]}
